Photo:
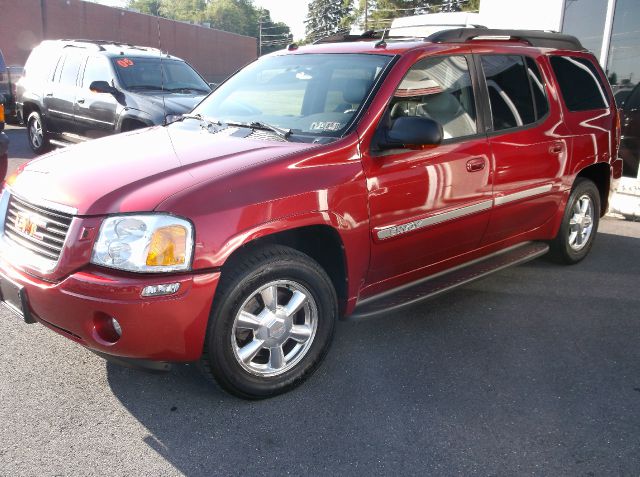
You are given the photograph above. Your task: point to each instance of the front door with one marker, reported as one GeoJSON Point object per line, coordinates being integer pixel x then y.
{"type": "Point", "coordinates": [96, 112]}
{"type": "Point", "coordinates": [430, 204]}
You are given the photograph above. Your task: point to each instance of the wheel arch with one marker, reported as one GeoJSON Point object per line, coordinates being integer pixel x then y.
{"type": "Point", "coordinates": [131, 123]}
{"type": "Point", "coordinates": [600, 175]}
{"type": "Point", "coordinates": [29, 107]}
{"type": "Point", "coordinates": [322, 242]}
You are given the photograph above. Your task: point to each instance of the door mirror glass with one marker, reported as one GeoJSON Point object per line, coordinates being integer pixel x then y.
{"type": "Point", "coordinates": [101, 87]}
{"type": "Point", "coordinates": [408, 131]}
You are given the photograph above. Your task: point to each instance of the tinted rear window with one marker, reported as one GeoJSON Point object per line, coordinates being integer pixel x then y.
{"type": "Point", "coordinates": [580, 83]}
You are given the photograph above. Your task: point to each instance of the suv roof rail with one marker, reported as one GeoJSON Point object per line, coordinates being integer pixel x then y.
{"type": "Point", "coordinates": [537, 38]}
{"type": "Point", "coordinates": [99, 44]}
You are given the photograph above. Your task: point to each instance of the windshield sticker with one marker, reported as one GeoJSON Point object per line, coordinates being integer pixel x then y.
{"type": "Point", "coordinates": [326, 126]}
{"type": "Point", "coordinates": [125, 62]}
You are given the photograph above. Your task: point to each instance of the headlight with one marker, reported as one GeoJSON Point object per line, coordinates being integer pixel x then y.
{"type": "Point", "coordinates": [144, 243]}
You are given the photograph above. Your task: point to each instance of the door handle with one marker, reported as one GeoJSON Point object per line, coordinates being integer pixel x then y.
{"type": "Point", "coordinates": [48, 95]}
{"type": "Point", "coordinates": [80, 101]}
{"type": "Point", "coordinates": [557, 148]}
{"type": "Point", "coordinates": [475, 165]}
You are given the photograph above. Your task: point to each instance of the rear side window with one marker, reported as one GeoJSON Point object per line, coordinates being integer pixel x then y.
{"type": "Point", "coordinates": [509, 91]}
{"type": "Point", "coordinates": [70, 69]}
{"type": "Point", "coordinates": [580, 83]}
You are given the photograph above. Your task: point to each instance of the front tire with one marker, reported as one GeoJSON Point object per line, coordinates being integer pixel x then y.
{"type": "Point", "coordinates": [271, 324]}
{"type": "Point", "coordinates": [579, 224]}
{"type": "Point", "coordinates": [37, 134]}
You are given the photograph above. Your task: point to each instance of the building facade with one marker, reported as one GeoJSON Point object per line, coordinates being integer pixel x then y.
{"type": "Point", "coordinates": [608, 28]}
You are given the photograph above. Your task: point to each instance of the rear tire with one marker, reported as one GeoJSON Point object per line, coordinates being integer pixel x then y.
{"type": "Point", "coordinates": [271, 323]}
{"type": "Point", "coordinates": [37, 133]}
{"type": "Point", "coordinates": [579, 224]}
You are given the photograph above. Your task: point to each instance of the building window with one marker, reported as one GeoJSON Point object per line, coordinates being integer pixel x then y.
{"type": "Point", "coordinates": [623, 68]}
{"type": "Point", "coordinates": [585, 20]}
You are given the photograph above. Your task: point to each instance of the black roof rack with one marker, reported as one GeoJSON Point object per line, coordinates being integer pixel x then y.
{"type": "Point", "coordinates": [99, 43]}
{"type": "Point", "coordinates": [537, 38]}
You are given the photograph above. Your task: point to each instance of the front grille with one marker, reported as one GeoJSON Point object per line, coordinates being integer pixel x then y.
{"type": "Point", "coordinates": [39, 230]}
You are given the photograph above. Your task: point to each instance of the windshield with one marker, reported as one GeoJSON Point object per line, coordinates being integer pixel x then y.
{"type": "Point", "coordinates": [154, 74]}
{"type": "Point", "coordinates": [316, 94]}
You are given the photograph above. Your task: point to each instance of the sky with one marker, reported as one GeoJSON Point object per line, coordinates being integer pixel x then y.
{"type": "Point", "coordinates": [291, 12]}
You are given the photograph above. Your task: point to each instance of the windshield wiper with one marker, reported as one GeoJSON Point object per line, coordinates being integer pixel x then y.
{"type": "Point", "coordinates": [146, 86]}
{"type": "Point", "coordinates": [177, 90]}
{"type": "Point", "coordinates": [283, 133]}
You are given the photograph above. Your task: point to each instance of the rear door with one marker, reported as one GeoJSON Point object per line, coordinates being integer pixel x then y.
{"type": "Point", "coordinates": [96, 112]}
{"type": "Point", "coordinates": [60, 97]}
{"type": "Point", "coordinates": [528, 148]}
{"type": "Point", "coordinates": [430, 204]}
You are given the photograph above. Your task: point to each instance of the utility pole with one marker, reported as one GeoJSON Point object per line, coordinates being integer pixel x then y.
{"type": "Point", "coordinates": [259, 37]}
{"type": "Point", "coordinates": [366, 15]}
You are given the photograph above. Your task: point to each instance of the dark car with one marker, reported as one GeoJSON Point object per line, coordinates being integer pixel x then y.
{"type": "Point", "coordinates": [8, 88]}
{"type": "Point", "coordinates": [74, 90]}
{"type": "Point", "coordinates": [344, 179]}
{"type": "Point", "coordinates": [4, 143]}
{"type": "Point", "coordinates": [630, 146]}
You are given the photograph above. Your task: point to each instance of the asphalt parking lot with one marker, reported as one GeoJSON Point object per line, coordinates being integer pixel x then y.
{"type": "Point", "coordinates": [532, 371]}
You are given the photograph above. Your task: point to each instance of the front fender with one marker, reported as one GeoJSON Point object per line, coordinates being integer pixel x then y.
{"type": "Point", "coordinates": [136, 115]}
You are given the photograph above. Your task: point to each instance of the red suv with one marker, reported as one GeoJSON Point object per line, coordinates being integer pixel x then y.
{"type": "Point", "coordinates": [343, 179]}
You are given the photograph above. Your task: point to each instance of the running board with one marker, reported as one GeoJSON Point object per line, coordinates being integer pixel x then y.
{"type": "Point", "coordinates": [447, 280]}
{"type": "Point", "coordinates": [60, 143]}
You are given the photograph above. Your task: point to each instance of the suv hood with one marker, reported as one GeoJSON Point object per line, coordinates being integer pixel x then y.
{"type": "Point", "coordinates": [135, 171]}
{"type": "Point", "coordinates": [167, 103]}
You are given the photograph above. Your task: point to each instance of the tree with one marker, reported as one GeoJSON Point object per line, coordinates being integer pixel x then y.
{"type": "Point", "coordinates": [237, 16]}
{"type": "Point", "coordinates": [151, 7]}
{"type": "Point", "coordinates": [380, 13]}
{"type": "Point", "coordinates": [325, 17]}
{"type": "Point", "coordinates": [471, 6]}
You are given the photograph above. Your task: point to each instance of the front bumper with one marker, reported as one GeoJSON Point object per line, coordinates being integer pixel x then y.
{"type": "Point", "coordinates": [166, 328]}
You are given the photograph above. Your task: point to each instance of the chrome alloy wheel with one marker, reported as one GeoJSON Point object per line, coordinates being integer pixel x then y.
{"type": "Point", "coordinates": [35, 133]}
{"type": "Point", "coordinates": [274, 328]}
{"type": "Point", "coordinates": [581, 223]}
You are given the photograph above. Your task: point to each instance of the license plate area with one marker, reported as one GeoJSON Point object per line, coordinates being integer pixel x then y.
{"type": "Point", "coordinates": [14, 297]}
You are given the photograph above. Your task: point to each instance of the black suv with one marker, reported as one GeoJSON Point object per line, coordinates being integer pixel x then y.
{"type": "Point", "coordinates": [74, 90]}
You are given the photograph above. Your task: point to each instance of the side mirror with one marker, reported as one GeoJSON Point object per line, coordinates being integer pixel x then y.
{"type": "Point", "coordinates": [408, 131]}
{"type": "Point", "coordinates": [102, 87]}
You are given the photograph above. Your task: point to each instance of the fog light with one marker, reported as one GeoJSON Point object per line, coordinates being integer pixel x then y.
{"type": "Point", "coordinates": [159, 290]}
{"type": "Point", "coordinates": [116, 327]}
{"type": "Point", "coordinates": [106, 328]}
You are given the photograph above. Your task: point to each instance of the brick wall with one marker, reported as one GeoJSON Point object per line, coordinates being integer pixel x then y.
{"type": "Point", "coordinates": [24, 23]}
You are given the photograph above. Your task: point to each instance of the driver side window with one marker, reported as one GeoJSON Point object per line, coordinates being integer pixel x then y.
{"type": "Point", "coordinates": [438, 88]}
{"type": "Point", "coordinates": [97, 69]}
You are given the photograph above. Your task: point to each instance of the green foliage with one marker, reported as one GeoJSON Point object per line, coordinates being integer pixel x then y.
{"type": "Point", "coordinates": [327, 16]}
{"type": "Point", "coordinates": [471, 6]}
{"type": "Point", "coordinates": [237, 16]}
{"type": "Point", "coordinates": [380, 13]}
{"type": "Point", "coordinates": [151, 7]}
